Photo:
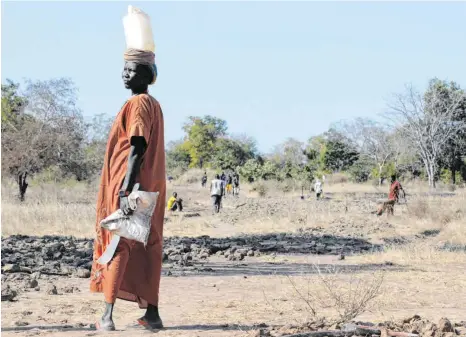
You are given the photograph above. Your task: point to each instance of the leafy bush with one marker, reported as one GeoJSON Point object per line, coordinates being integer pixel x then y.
{"type": "Point", "coordinates": [360, 171]}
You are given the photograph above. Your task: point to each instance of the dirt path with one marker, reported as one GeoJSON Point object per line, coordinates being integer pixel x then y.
{"type": "Point", "coordinates": [231, 303]}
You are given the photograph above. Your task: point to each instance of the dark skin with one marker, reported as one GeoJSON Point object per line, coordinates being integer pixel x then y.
{"type": "Point", "coordinates": [135, 77]}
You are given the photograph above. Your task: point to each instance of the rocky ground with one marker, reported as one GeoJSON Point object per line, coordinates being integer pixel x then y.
{"type": "Point", "coordinates": [65, 256]}
{"type": "Point", "coordinates": [25, 259]}
{"type": "Point", "coordinates": [415, 325]}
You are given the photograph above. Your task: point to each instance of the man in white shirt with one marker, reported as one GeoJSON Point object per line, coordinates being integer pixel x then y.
{"type": "Point", "coordinates": [318, 188]}
{"type": "Point", "coordinates": [217, 190]}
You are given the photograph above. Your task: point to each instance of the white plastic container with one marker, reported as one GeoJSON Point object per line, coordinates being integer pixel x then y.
{"type": "Point", "coordinates": [138, 31]}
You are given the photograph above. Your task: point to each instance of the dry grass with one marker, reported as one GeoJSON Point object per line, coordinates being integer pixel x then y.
{"type": "Point", "coordinates": [49, 209]}
{"type": "Point", "coordinates": [70, 210]}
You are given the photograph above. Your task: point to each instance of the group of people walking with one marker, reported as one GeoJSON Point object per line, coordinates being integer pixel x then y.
{"type": "Point", "coordinates": [221, 186]}
{"type": "Point", "coordinates": [230, 182]}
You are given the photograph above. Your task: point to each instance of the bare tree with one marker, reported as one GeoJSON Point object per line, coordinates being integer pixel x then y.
{"type": "Point", "coordinates": [290, 151]}
{"type": "Point", "coordinates": [372, 140]}
{"type": "Point", "coordinates": [48, 131]}
{"type": "Point", "coordinates": [98, 130]}
{"type": "Point", "coordinates": [428, 122]}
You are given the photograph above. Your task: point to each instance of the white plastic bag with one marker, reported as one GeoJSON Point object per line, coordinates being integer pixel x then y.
{"type": "Point", "coordinates": [137, 225]}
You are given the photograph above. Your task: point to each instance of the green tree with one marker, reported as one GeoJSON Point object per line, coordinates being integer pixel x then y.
{"type": "Point", "coordinates": [178, 156]}
{"type": "Point", "coordinates": [230, 153]}
{"type": "Point", "coordinates": [338, 156]}
{"type": "Point", "coordinates": [251, 170]}
{"type": "Point", "coordinates": [331, 151]}
{"type": "Point", "coordinates": [202, 134]}
{"type": "Point", "coordinates": [13, 104]}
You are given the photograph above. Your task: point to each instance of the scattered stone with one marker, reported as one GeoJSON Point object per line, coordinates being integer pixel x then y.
{"type": "Point", "coordinates": [51, 289]}
{"type": "Point", "coordinates": [33, 283]}
{"type": "Point", "coordinates": [35, 275]}
{"type": "Point", "coordinates": [67, 256]}
{"type": "Point", "coordinates": [445, 325]}
{"type": "Point", "coordinates": [414, 324]}
{"type": "Point", "coordinates": [83, 273]}
{"type": "Point", "coordinates": [70, 290]}
{"type": "Point", "coordinates": [21, 323]}
{"type": "Point", "coordinates": [11, 268]}
{"type": "Point", "coordinates": [8, 294]}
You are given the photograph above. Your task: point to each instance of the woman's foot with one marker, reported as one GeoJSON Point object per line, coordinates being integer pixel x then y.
{"type": "Point", "coordinates": [105, 325]}
{"type": "Point", "coordinates": [106, 322]}
{"type": "Point", "coordinates": [151, 318]}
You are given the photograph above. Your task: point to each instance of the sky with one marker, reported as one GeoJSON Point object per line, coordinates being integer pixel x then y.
{"type": "Point", "coordinates": [272, 70]}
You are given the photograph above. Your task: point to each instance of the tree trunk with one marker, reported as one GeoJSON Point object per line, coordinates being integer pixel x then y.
{"type": "Point", "coordinates": [22, 185]}
{"type": "Point", "coordinates": [431, 174]}
{"type": "Point", "coordinates": [430, 177]}
{"type": "Point", "coordinates": [380, 175]}
{"type": "Point", "coordinates": [453, 175]}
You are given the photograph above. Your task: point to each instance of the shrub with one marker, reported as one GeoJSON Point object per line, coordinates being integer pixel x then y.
{"type": "Point", "coordinates": [260, 188]}
{"type": "Point", "coordinates": [191, 176]}
{"type": "Point", "coordinates": [338, 178]}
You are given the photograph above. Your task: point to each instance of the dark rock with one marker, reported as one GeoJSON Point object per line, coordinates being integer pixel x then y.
{"type": "Point", "coordinates": [21, 323]}
{"type": "Point", "coordinates": [239, 255]}
{"type": "Point", "coordinates": [70, 290]}
{"type": "Point", "coordinates": [11, 268]}
{"type": "Point", "coordinates": [82, 273]}
{"type": "Point", "coordinates": [67, 270]}
{"type": "Point", "coordinates": [51, 290]}
{"type": "Point", "coordinates": [33, 283]}
{"type": "Point", "coordinates": [445, 325]}
{"type": "Point", "coordinates": [8, 294]}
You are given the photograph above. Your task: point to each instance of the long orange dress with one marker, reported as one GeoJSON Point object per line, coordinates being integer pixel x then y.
{"type": "Point", "coordinates": [134, 272]}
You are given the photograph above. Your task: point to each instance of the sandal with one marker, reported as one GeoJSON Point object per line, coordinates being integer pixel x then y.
{"type": "Point", "coordinates": [100, 327]}
{"type": "Point", "coordinates": [155, 326]}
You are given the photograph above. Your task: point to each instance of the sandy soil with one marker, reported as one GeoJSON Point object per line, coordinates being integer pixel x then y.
{"type": "Point", "coordinates": [232, 305]}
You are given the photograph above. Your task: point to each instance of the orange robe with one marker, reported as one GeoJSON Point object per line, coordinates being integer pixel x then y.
{"type": "Point", "coordinates": [134, 272]}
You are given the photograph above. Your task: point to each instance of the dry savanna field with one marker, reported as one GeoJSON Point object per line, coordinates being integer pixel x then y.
{"type": "Point", "coordinates": [267, 265]}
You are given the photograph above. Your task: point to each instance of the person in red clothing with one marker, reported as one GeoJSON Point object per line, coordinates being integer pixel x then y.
{"type": "Point", "coordinates": [393, 197]}
{"type": "Point", "coordinates": [395, 188]}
